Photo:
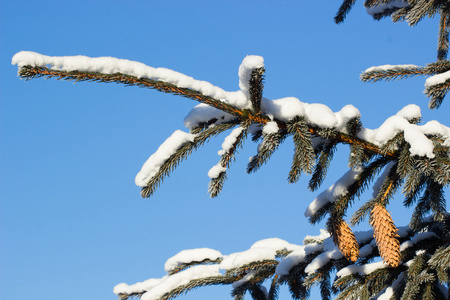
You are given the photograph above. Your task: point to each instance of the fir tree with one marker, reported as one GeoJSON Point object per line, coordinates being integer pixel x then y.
{"type": "Point", "coordinates": [388, 262]}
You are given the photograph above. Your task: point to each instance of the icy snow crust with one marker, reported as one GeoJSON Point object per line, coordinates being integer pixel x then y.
{"type": "Point", "coordinates": [283, 109]}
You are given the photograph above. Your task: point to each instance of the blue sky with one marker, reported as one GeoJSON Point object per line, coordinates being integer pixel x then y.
{"type": "Point", "coordinates": [73, 223]}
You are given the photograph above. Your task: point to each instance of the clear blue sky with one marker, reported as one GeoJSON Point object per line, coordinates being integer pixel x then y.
{"type": "Point", "coordinates": [72, 222]}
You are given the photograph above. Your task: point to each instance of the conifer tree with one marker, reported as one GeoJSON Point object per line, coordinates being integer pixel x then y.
{"type": "Point", "coordinates": [387, 262]}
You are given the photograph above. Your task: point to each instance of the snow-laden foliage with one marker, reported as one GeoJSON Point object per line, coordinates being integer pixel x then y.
{"type": "Point", "coordinates": [409, 262]}
{"type": "Point", "coordinates": [275, 261]}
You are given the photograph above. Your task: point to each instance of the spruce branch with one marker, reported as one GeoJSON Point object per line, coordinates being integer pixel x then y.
{"type": "Point", "coordinates": [185, 266]}
{"type": "Point", "coordinates": [444, 23]}
{"type": "Point", "coordinates": [344, 9]}
{"type": "Point", "coordinates": [304, 157]}
{"type": "Point", "coordinates": [268, 146]}
{"type": "Point", "coordinates": [323, 161]}
{"type": "Point", "coordinates": [355, 189]}
{"type": "Point", "coordinates": [256, 87]}
{"type": "Point", "coordinates": [440, 261]}
{"type": "Point", "coordinates": [29, 72]}
{"type": "Point", "coordinates": [172, 162]}
{"type": "Point", "coordinates": [216, 184]}
{"type": "Point", "coordinates": [395, 73]}
{"type": "Point", "coordinates": [274, 289]}
{"type": "Point", "coordinates": [437, 93]}
{"type": "Point", "coordinates": [207, 281]}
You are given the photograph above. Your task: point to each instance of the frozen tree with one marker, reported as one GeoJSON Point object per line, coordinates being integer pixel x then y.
{"type": "Point", "coordinates": [387, 262]}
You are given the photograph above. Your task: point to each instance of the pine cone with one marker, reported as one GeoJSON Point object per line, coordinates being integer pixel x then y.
{"type": "Point", "coordinates": [345, 240]}
{"type": "Point", "coordinates": [385, 234]}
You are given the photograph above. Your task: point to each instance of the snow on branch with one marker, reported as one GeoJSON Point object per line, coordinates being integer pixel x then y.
{"type": "Point", "coordinates": [157, 159]}
{"type": "Point", "coordinates": [112, 65]}
{"type": "Point", "coordinates": [275, 259]}
{"type": "Point", "coordinates": [317, 116]}
{"type": "Point", "coordinates": [436, 86]}
{"type": "Point", "coordinates": [186, 257]}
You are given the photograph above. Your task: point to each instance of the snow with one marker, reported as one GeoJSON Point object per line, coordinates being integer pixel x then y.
{"type": "Point", "coordinates": [246, 68]}
{"type": "Point", "coordinates": [333, 192]}
{"type": "Point", "coordinates": [364, 236]}
{"type": "Point", "coordinates": [228, 143]}
{"type": "Point", "coordinates": [230, 140]}
{"type": "Point", "coordinates": [204, 113]}
{"type": "Point", "coordinates": [322, 259]}
{"type": "Point", "coordinates": [316, 114]}
{"type": "Point", "coordinates": [156, 160]}
{"type": "Point", "coordinates": [414, 134]}
{"type": "Point", "coordinates": [410, 112]}
{"type": "Point", "coordinates": [403, 231]}
{"type": "Point", "coordinates": [111, 65]}
{"type": "Point", "coordinates": [437, 79]}
{"type": "Point", "coordinates": [295, 257]}
{"type": "Point", "coordinates": [387, 294]}
{"type": "Point", "coordinates": [389, 67]}
{"type": "Point", "coordinates": [366, 250]}
{"type": "Point", "coordinates": [347, 113]}
{"type": "Point", "coordinates": [321, 237]}
{"type": "Point", "coordinates": [240, 259]}
{"type": "Point", "coordinates": [381, 8]}
{"type": "Point", "coordinates": [361, 269]}
{"type": "Point", "coordinates": [179, 279]}
{"type": "Point", "coordinates": [417, 238]}
{"type": "Point", "coordinates": [435, 128]}
{"type": "Point", "coordinates": [284, 109]}
{"type": "Point", "coordinates": [389, 291]}
{"type": "Point", "coordinates": [137, 288]}
{"type": "Point", "coordinates": [244, 280]}
{"type": "Point", "coordinates": [270, 127]}
{"type": "Point", "coordinates": [275, 244]}
{"type": "Point", "coordinates": [216, 170]}
{"type": "Point", "coordinates": [191, 255]}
